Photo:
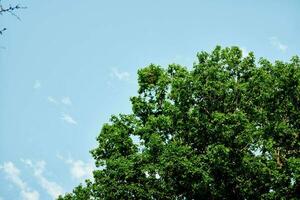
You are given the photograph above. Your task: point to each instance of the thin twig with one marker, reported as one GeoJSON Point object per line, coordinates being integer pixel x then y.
{"type": "Point", "coordinates": [2, 30]}
{"type": "Point", "coordinates": [11, 10]}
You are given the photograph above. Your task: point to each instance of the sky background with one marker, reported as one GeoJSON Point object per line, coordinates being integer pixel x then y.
{"type": "Point", "coordinates": [67, 66]}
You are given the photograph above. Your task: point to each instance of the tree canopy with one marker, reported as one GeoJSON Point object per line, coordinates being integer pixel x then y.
{"type": "Point", "coordinates": [226, 129]}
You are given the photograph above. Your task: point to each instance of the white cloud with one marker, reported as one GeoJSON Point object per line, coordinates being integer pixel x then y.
{"type": "Point", "coordinates": [52, 100]}
{"type": "Point", "coordinates": [64, 100]}
{"type": "Point", "coordinates": [78, 169]}
{"type": "Point", "coordinates": [13, 174]}
{"type": "Point", "coordinates": [52, 188]}
{"type": "Point", "coordinates": [37, 84]}
{"type": "Point", "coordinates": [34, 195]}
{"type": "Point", "coordinates": [123, 76]}
{"type": "Point", "coordinates": [68, 118]}
{"type": "Point", "coordinates": [277, 44]}
{"type": "Point", "coordinates": [157, 176]}
{"type": "Point", "coordinates": [245, 52]}
{"type": "Point", "coordinates": [147, 174]}
{"type": "Point", "coordinates": [67, 101]}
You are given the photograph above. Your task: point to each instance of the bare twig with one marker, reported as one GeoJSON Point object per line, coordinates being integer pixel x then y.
{"type": "Point", "coordinates": [2, 30]}
{"type": "Point", "coordinates": [10, 9]}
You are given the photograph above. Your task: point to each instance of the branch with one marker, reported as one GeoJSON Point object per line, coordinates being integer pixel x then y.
{"type": "Point", "coordinates": [11, 10]}
{"type": "Point", "coordinates": [2, 30]}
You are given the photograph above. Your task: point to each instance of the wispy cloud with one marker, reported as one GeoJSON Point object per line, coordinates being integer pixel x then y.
{"type": "Point", "coordinates": [123, 76]}
{"type": "Point", "coordinates": [37, 84]}
{"type": "Point", "coordinates": [13, 174]}
{"type": "Point", "coordinates": [52, 188]}
{"type": "Point", "coordinates": [52, 100]}
{"type": "Point", "coordinates": [67, 101]}
{"type": "Point", "coordinates": [78, 169]}
{"type": "Point", "coordinates": [277, 44]}
{"type": "Point", "coordinates": [68, 119]}
{"type": "Point", "coordinates": [64, 100]}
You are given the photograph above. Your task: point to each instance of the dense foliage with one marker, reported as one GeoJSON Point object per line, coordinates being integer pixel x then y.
{"type": "Point", "coordinates": [226, 129]}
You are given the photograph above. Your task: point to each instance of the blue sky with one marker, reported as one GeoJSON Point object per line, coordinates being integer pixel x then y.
{"type": "Point", "coordinates": [68, 65]}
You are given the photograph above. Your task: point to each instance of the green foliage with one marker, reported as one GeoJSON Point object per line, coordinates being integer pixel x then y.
{"type": "Point", "coordinates": [227, 129]}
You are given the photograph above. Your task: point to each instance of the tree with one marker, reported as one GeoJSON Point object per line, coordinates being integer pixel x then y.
{"type": "Point", "coordinates": [226, 129]}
